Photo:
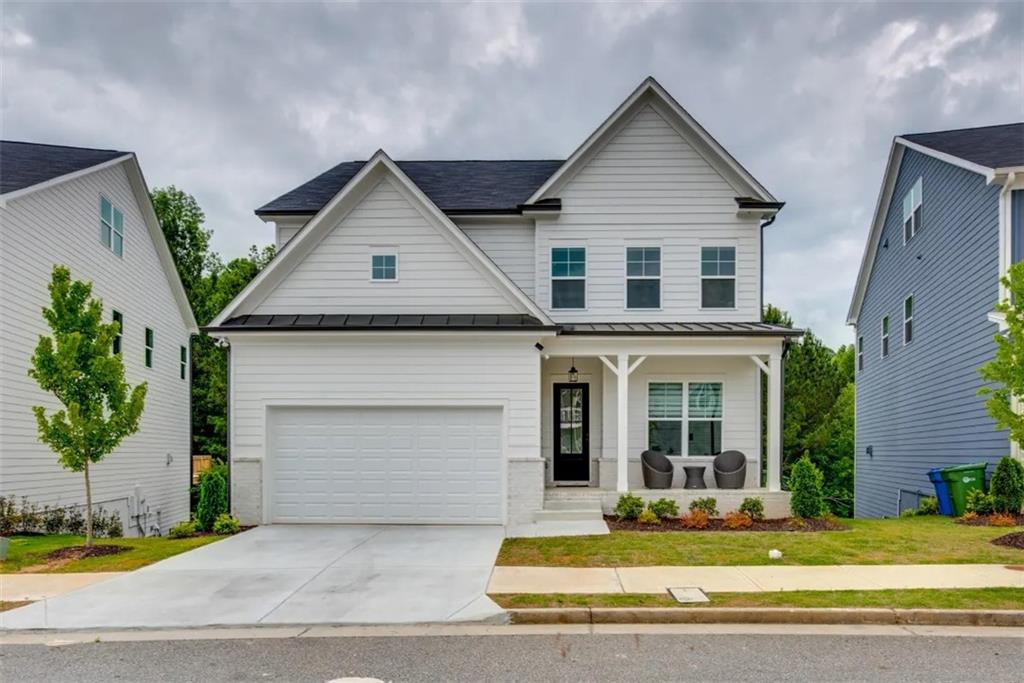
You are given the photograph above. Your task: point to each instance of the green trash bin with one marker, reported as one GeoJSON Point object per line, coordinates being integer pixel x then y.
{"type": "Point", "coordinates": [961, 480]}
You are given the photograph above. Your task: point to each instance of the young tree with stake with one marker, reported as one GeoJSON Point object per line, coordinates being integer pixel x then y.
{"type": "Point", "coordinates": [77, 365]}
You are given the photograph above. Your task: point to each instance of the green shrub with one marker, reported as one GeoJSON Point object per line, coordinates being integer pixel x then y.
{"type": "Point", "coordinates": [664, 508]}
{"type": "Point", "coordinates": [648, 517]}
{"type": "Point", "coordinates": [1007, 486]}
{"type": "Point", "coordinates": [182, 529]}
{"type": "Point", "coordinates": [753, 508]}
{"type": "Point", "coordinates": [928, 506]}
{"type": "Point", "coordinates": [907, 512]}
{"type": "Point", "coordinates": [226, 524]}
{"type": "Point", "coordinates": [980, 503]}
{"type": "Point", "coordinates": [629, 506]}
{"type": "Point", "coordinates": [805, 484]}
{"type": "Point", "coordinates": [708, 505]}
{"type": "Point", "coordinates": [213, 498]}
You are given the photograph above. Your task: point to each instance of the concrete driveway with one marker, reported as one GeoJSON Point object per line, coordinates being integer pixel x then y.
{"type": "Point", "coordinates": [294, 574]}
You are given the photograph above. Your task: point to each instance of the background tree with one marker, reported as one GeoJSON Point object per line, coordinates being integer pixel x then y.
{"type": "Point", "coordinates": [77, 365]}
{"type": "Point", "coordinates": [182, 220]}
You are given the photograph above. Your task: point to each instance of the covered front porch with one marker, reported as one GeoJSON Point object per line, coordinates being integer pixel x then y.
{"type": "Point", "coordinates": [610, 393]}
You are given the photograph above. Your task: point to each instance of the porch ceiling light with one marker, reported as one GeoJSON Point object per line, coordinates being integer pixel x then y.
{"type": "Point", "coordinates": [574, 374]}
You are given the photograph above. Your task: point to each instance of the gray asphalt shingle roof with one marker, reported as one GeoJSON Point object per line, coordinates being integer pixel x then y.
{"type": "Point", "coordinates": [991, 146]}
{"type": "Point", "coordinates": [24, 164]}
{"type": "Point", "coordinates": [452, 185]}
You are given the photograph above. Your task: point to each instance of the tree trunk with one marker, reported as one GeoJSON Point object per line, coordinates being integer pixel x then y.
{"type": "Point", "coordinates": [88, 507]}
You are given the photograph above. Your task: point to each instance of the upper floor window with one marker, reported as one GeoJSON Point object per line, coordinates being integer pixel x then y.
{"type": "Point", "coordinates": [885, 336]}
{"type": "Point", "coordinates": [718, 277]}
{"type": "Point", "coordinates": [119, 319]}
{"type": "Point", "coordinates": [184, 362]}
{"type": "Point", "coordinates": [569, 277]}
{"type": "Point", "coordinates": [149, 347]}
{"type": "Point", "coordinates": [384, 266]}
{"type": "Point", "coordinates": [908, 320]}
{"type": "Point", "coordinates": [912, 211]}
{"type": "Point", "coordinates": [111, 226]}
{"type": "Point", "coordinates": [1016, 226]}
{"type": "Point", "coordinates": [860, 353]}
{"type": "Point", "coordinates": [643, 277]}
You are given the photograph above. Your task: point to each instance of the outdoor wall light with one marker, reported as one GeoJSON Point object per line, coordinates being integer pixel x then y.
{"type": "Point", "coordinates": [574, 374]}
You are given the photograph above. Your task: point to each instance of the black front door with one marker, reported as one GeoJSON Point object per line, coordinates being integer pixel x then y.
{"type": "Point", "coordinates": [572, 432]}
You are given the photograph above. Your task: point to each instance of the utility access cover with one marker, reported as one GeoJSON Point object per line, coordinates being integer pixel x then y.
{"type": "Point", "coordinates": [688, 595]}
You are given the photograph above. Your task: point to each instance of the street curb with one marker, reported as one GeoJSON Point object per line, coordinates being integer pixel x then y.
{"type": "Point", "coordinates": [766, 615]}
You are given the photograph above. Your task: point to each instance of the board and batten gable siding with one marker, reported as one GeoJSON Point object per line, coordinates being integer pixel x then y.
{"type": "Point", "coordinates": [647, 186]}
{"type": "Point", "coordinates": [510, 245]}
{"type": "Point", "coordinates": [60, 225]}
{"type": "Point", "coordinates": [433, 276]}
{"type": "Point", "coordinates": [918, 408]}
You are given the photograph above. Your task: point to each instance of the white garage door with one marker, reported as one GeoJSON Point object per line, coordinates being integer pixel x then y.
{"type": "Point", "coordinates": [415, 465]}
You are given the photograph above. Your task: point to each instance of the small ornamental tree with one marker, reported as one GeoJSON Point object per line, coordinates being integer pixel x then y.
{"type": "Point", "coordinates": [213, 498]}
{"type": "Point", "coordinates": [77, 365]}
{"type": "Point", "coordinates": [805, 484]}
{"type": "Point", "coordinates": [1006, 370]}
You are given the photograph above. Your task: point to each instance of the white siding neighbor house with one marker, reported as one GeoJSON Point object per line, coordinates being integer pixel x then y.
{"type": "Point", "coordinates": [90, 210]}
{"type": "Point", "coordinates": [498, 342]}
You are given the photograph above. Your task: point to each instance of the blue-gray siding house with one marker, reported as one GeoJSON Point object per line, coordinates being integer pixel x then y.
{"type": "Point", "coordinates": [949, 221]}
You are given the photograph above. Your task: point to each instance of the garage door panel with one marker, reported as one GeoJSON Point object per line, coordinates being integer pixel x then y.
{"type": "Point", "coordinates": [401, 465]}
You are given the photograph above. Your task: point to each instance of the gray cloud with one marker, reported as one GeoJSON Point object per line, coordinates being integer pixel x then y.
{"type": "Point", "coordinates": [238, 103]}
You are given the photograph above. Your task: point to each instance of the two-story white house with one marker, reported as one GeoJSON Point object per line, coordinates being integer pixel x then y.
{"type": "Point", "coordinates": [89, 210]}
{"type": "Point", "coordinates": [470, 341]}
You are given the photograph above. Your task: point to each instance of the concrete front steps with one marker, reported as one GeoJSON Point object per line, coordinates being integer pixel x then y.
{"type": "Point", "coordinates": [569, 510]}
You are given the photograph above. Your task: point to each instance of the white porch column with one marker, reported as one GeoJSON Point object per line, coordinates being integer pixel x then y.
{"type": "Point", "coordinates": [622, 434]}
{"type": "Point", "coordinates": [775, 421]}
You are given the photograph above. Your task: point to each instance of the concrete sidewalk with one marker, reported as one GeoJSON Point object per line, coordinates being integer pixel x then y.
{"type": "Point", "coordinates": [32, 587]}
{"type": "Point", "coordinates": [752, 579]}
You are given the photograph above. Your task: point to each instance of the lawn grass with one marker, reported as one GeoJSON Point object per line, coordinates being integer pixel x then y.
{"type": "Point", "coordinates": [29, 553]}
{"type": "Point", "coordinates": [959, 598]}
{"type": "Point", "coordinates": [917, 540]}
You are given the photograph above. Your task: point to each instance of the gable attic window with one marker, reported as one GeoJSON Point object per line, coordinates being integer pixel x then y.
{"type": "Point", "coordinates": [111, 226]}
{"type": "Point", "coordinates": [569, 277]}
{"type": "Point", "coordinates": [643, 277]}
{"type": "Point", "coordinates": [718, 277]}
{"type": "Point", "coordinates": [912, 212]}
{"type": "Point", "coordinates": [885, 336]}
{"type": "Point", "coordinates": [384, 267]}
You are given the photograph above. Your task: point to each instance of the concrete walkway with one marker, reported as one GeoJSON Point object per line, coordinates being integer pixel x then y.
{"type": "Point", "coordinates": [32, 587]}
{"type": "Point", "coordinates": [752, 579]}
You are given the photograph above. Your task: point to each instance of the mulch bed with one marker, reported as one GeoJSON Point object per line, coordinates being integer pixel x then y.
{"type": "Point", "coordinates": [1014, 540]}
{"type": "Point", "coordinates": [983, 521]}
{"type": "Point", "coordinates": [785, 524]}
{"type": "Point", "coordinates": [80, 552]}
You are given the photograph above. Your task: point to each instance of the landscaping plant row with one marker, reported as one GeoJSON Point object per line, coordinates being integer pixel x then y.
{"type": "Point", "coordinates": [29, 518]}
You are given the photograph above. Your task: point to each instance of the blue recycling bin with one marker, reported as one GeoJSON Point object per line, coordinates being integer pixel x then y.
{"type": "Point", "coordinates": [941, 492]}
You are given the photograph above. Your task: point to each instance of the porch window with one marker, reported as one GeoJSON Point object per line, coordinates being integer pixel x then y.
{"type": "Point", "coordinates": [718, 277]}
{"type": "Point", "coordinates": [912, 211]}
{"type": "Point", "coordinates": [643, 277]}
{"type": "Point", "coordinates": [665, 417]}
{"type": "Point", "coordinates": [569, 277]}
{"type": "Point", "coordinates": [704, 413]}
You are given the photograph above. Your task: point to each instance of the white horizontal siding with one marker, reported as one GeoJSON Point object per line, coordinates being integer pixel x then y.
{"type": "Point", "coordinates": [433, 275]}
{"type": "Point", "coordinates": [649, 186]}
{"type": "Point", "coordinates": [61, 225]}
{"type": "Point", "coordinates": [511, 247]}
{"type": "Point", "coordinates": [286, 228]}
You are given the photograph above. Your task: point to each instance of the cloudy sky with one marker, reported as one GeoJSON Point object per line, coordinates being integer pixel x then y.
{"type": "Point", "coordinates": [237, 103]}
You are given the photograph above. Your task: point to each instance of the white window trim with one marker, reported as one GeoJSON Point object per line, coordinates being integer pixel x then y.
{"type": "Point", "coordinates": [860, 353]}
{"type": "Point", "coordinates": [150, 349]}
{"type": "Point", "coordinates": [627, 277]}
{"type": "Point", "coordinates": [183, 363]}
{"type": "Point", "coordinates": [686, 381]}
{"type": "Point", "coordinates": [884, 337]}
{"type": "Point", "coordinates": [914, 227]}
{"type": "Point", "coordinates": [382, 251]}
{"type": "Point", "coordinates": [701, 277]}
{"type": "Point", "coordinates": [552, 278]}
{"type": "Point", "coordinates": [909, 297]}
{"type": "Point", "coordinates": [1006, 239]}
{"type": "Point", "coordinates": [113, 230]}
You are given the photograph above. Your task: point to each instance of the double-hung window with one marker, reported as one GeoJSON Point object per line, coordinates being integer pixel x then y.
{"type": "Point", "coordinates": [643, 277]}
{"type": "Point", "coordinates": [908, 320]}
{"type": "Point", "coordinates": [718, 277]}
{"type": "Point", "coordinates": [860, 353]}
{"type": "Point", "coordinates": [699, 417]}
{"type": "Point", "coordinates": [885, 336]}
{"type": "Point", "coordinates": [149, 348]}
{"type": "Point", "coordinates": [184, 362]}
{"type": "Point", "coordinates": [569, 277]}
{"type": "Point", "coordinates": [912, 211]}
{"type": "Point", "coordinates": [384, 266]}
{"type": "Point", "coordinates": [111, 226]}
{"type": "Point", "coordinates": [119, 320]}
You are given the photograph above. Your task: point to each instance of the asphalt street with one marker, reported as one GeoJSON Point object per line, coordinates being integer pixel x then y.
{"type": "Point", "coordinates": [548, 657]}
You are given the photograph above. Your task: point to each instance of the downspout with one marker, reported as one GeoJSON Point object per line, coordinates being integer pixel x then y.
{"type": "Point", "coordinates": [764, 224]}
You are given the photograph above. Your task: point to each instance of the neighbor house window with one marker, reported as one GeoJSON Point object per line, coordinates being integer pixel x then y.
{"type": "Point", "coordinates": [384, 267]}
{"type": "Point", "coordinates": [643, 277]}
{"type": "Point", "coordinates": [568, 277]}
{"type": "Point", "coordinates": [111, 226]}
{"type": "Point", "coordinates": [184, 362]}
{"type": "Point", "coordinates": [149, 348]}
{"type": "Point", "coordinates": [700, 414]}
{"type": "Point", "coordinates": [912, 211]}
{"type": "Point", "coordinates": [119, 319]}
{"type": "Point", "coordinates": [908, 320]}
{"type": "Point", "coordinates": [860, 353]}
{"type": "Point", "coordinates": [718, 277]}
{"type": "Point", "coordinates": [665, 417]}
{"type": "Point", "coordinates": [1016, 226]}
{"type": "Point", "coordinates": [885, 336]}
